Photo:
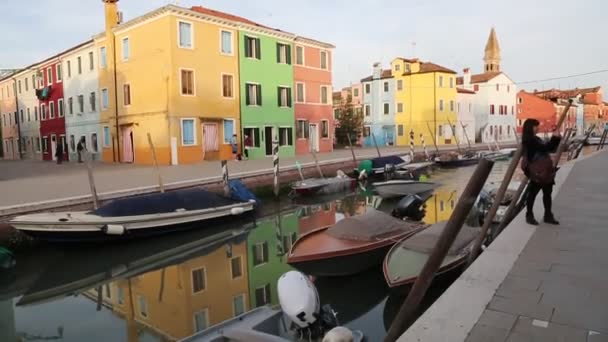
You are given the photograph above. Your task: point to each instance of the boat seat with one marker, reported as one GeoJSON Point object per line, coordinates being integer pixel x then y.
{"type": "Point", "coordinates": [425, 241]}
{"type": "Point", "coordinates": [371, 226]}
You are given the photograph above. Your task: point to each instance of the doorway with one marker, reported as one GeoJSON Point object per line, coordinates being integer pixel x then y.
{"type": "Point", "coordinates": [66, 154]}
{"type": "Point", "coordinates": [128, 154]}
{"type": "Point", "coordinates": [268, 138]}
{"type": "Point", "coordinates": [314, 137]}
{"type": "Point", "coordinates": [53, 147]}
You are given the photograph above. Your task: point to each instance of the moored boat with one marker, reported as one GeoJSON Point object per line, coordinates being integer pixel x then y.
{"type": "Point", "coordinates": [400, 188]}
{"type": "Point", "coordinates": [458, 162]}
{"type": "Point", "coordinates": [405, 260]}
{"type": "Point", "coordinates": [138, 216]}
{"type": "Point", "coordinates": [378, 166]}
{"type": "Point", "coordinates": [324, 186]}
{"type": "Point", "coordinates": [351, 246]}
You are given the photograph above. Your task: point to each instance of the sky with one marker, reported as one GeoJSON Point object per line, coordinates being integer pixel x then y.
{"type": "Point", "coordinates": [540, 39]}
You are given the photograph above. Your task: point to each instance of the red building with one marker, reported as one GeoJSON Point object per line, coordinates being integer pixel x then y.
{"type": "Point", "coordinates": [590, 98]}
{"type": "Point", "coordinates": [531, 106]}
{"type": "Point", "coordinates": [52, 109]}
{"type": "Point", "coordinates": [313, 106]}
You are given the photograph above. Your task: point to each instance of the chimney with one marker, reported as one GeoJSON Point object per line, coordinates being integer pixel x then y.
{"type": "Point", "coordinates": [466, 78]}
{"type": "Point", "coordinates": [377, 73]}
{"type": "Point", "coordinates": [112, 16]}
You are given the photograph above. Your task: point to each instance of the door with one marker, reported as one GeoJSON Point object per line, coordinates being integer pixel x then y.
{"type": "Point", "coordinates": [53, 146]}
{"type": "Point", "coordinates": [127, 144]}
{"type": "Point", "coordinates": [210, 137]}
{"type": "Point", "coordinates": [64, 147]}
{"type": "Point", "coordinates": [268, 139]}
{"type": "Point", "coordinates": [314, 137]}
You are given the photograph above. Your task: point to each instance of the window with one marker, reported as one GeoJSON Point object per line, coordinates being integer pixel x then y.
{"type": "Point", "coordinates": [400, 85]}
{"type": "Point", "coordinates": [491, 130]}
{"type": "Point", "coordinates": [386, 108]}
{"type": "Point", "coordinates": [356, 92]}
{"type": "Point", "coordinates": [285, 136]}
{"type": "Point", "coordinates": [324, 94]}
{"type": "Point", "coordinates": [106, 136]}
{"type": "Point", "coordinates": [33, 82]}
{"type": "Point", "coordinates": [29, 116]}
{"type": "Point", "coordinates": [201, 320]}
{"type": "Point", "coordinates": [126, 53]}
{"type": "Point", "coordinates": [120, 295]}
{"type": "Point", "coordinates": [368, 110]}
{"type": "Point", "coordinates": [283, 53]}
{"type": "Point", "coordinates": [93, 101]}
{"type": "Point", "coordinates": [68, 65]}
{"type": "Point", "coordinates": [226, 42]}
{"type": "Point", "coordinates": [512, 110]}
{"type": "Point", "coordinates": [253, 94]}
{"type": "Point", "coordinates": [400, 130]}
{"type": "Point", "coordinates": [185, 35]}
{"type": "Point", "coordinates": [451, 82]}
{"type": "Point", "coordinates": [59, 73]}
{"type": "Point", "coordinates": [262, 295]}
{"type": "Point", "coordinates": [441, 206]}
{"type": "Point", "coordinates": [451, 105]}
{"type": "Point", "coordinates": [508, 89]}
{"type": "Point", "coordinates": [302, 129]}
{"type": "Point", "coordinates": [22, 116]}
{"type": "Point", "coordinates": [36, 113]}
{"type": "Point", "coordinates": [324, 129]}
{"type": "Point", "coordinates": [300, 93]}
{"type": "Point", "coordinates": [103, 58]}
{"type": "Point", "coordinates": [94, 145]}
{"type": "Point", "coordinates": [520, 100]}
{"type": "Point", "coordinates": [72, 143]}
{"type": "Point", "coordinates": [236, 267]}
{"type": "Point", "coordinates": [440, 130]}
{"type": "Point", "coordinates": [188, 132]}
{"type": "Point", "coordinates": [27, 81]}
{"type": "Point", "coordinates": [49, 76]}
{"type": "Point", "coordinates": [299, 55]}
{"type": "Point", "coordinates": [289, 239]}
{"type": "Point", "coordinates": [51, 110]}
{"type": "Point", "coordinates": [284, 96]}
{"type": "Point", "coordinates": [238, 305]}
{"type": "Point", "coordinates": [492, 109]}
{"type": "Point", "coordinates": [260, 253]}
{"type": "Point", "coordinates": [199, 280]}
{"type": "Point", "coordinates": [386, 87]}
{"type": "Point", "coordinates": [399, 107]}
{"type": "Point", "coordinates": [366, 131]}
{"type": "Point", "coordinates": [498, 87]}
{"type": "Point", "coordinates": [143, 306]}
{"type": "Point", "coordinates": [38, 145]}
{"type": "Point", "coordinates": [19, 82]}
{"type": "Point", "coordinates": [440, 81]}
{"type": "Point", "coordinates": [324, 60]}
{"type": "Point", "coordinates": [252, 47]}
{"type": "Point", "coordinates": [45, 144]}
{"type": "Point", "coordinates": [70, 106]}
{"type": "Point", "coordinates": [187, 82]}
{"type": "Point", "coordinates": [80, 104]}
{"type": "Point", "coordinates": [397, 67]}
{"type": "Point", "coordinates": [368, 88]}
{"type": "Point", "coordinates": [476, 87]}
{"type": "Point", "coordinates": [126, 94]}
{"type": "Point", "coordinates": [60, 108]}
{"type": "Point", "coordinates": [254, 133]}
{"type": "Point", "coordinates": [441, 105]}
{"type": "Point", "coordinates": [91, 61]}
{"type": "Point", "coordinates": [229, 131]}
{"type": "Point", "coordinates": [79, 64]}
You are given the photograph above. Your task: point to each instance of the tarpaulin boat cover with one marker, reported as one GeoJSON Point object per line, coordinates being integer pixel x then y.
{"type": "Point", "coordinates": [380, 162]}
{"type": "Point", "coordinates": [371, 226]}
{"type": "Point", "coordinates": [425, 241]}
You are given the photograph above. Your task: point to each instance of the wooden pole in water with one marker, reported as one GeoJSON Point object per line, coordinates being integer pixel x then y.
{"type": "Point", "coordinates": [426, 152]}
{"type": "Point", "coordinates": [580, 147]}
{"type": "Point", "coordinates": [464, 131]}
{"type": "Point", "coordinates": [160, 179]}
{"type": "Point", "coordinates": [88, 158]}
{"type": "Point", "coordinates": [275, 162]}
{"type": "Point", "coordinates": [502, 190]}
{"type": "Point", "coordinates": [515, 133]}
{"type": "Point", "coordinates": [225, 178]}
{"type": "Point", "coordinates": [412, 152]}
{"type": "Point", "coordinates": [434, 138]}
{"type": "Point", "coordinates": [99, 297]}
{"type": "Point", "coordinates": [352, 150]}
{"type": "Point", "coordinates": [600, 146]}
{"type": "Point", "coordinates": [314, 156]}
{"type": "Point", "coordinates": [455, 138]}
{"type": "Point", "coordinates": [376, 144]}
{"type": "Point", "coordinates": [408, 310]}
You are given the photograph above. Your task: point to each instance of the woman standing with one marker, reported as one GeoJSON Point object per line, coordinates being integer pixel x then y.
{"type": "Point", "coordinates": [538, 167]}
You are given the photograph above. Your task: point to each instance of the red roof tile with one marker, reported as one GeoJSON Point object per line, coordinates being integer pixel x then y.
{"type": "Point", "coordinates": [227, 16]}
{"type": "Point", "coordinates": [566, 94]}
{"type": "Point", "coordinates": [479, 78]}
{"type": "Point", "coordinates": [432, 67]}
{"type": "Point", "coordinates": [464, 91]}
{"type": "Point", "coordinates": [385, 74]}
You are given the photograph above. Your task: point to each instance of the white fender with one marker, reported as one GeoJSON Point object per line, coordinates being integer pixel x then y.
{"type": "Point", "coordinates": [298, 298]}
{"type": "Point", "coordinates": [237, 211]}
{"type": "Point", "coordinates": [114, 229]}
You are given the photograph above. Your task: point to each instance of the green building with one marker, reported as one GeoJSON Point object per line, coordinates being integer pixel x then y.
{"type": "Point", "coordinates": [266, 81]}
{"type": "Point", "coordinates": [267, 248]}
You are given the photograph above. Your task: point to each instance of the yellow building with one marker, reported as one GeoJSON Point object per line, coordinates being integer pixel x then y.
{"type": "Point", "coordinates": [175, 72]}
{"type": "Point", "coordinates": [425, 101]}
{"type": "Point", "coordinates": [441, 205]}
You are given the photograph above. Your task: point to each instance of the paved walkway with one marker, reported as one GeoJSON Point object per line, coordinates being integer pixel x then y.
{"type": "Point", "coordinates": [557, 289]}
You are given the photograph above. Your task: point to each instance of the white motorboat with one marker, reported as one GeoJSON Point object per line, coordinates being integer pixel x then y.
{"type": "Point", "coordinates": [400, 188]}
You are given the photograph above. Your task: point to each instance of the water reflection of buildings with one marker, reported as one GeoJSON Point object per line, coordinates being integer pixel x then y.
{"type": "Point", "coordinates": [316, 216]}
{"type": "Point", "coordinates": [440, 205]}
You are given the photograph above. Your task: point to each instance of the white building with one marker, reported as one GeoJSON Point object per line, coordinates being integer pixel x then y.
{"type": "Point", "coordinates": [465, 129]}
{"type": "Point", "coordinates": [495, 99]}
{"type": "Point", "coordinates": [81, 97]}
{"type": "Point", "coordinates": [29, 118]}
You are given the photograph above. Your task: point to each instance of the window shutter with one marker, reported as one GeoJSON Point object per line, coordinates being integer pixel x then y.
{"type": "Point", "coordinates": [279, 96]}
{"type": "Point", "coordinates": [257, 48]}
{"type": "Point", "coordinates": [288, 55]}
{"type": "Point", "coordinates": [247, 94]}
{"type": "Point", "coordinates": [259, 94]}
{"type": "Point", "coordinates": [306, 129]}
{"type": "Point", "coordinates": [290, 138]}
{"type": "Point", "coordinates": [288, 97]}
{"type": "Point", "coordinates": [247, 47]}
{"type": "Point", "coordinates": [278, 53]}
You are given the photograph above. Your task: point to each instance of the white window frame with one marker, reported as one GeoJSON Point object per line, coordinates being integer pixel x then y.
{"type": "Point", "coordinates": [59, 72]}
{"type": "Point", "coordinates": [49, 76]}
{"type": "Point", "coordinates": [122, 49]}
{"type": "Point", "coordinates": [123, 95]}
{"type": "Point", "coordinates": [287, 91]}
{"type": "Point", "coordinates": [326, 60]}
{"type": "Point", "coordinates": [193, 82]}
{"type": "Point", "coordinates": [103, 133]}
{"type": "Point", "coordinates": [103, 62]}
{"type": "Point", "coordinates": [80, 112]}
{"type": "Point", "coordinates": [241, 267]}
{"type": "Point", "coordinates": [224, 131]}
{"type": "Point", "coordinates": [194, 132]}
{"type": "Point", "coordinates": [399, 107]}
{"type": "Point", "coordinates": [321, 94]}
{"type": "Point", "coordinates": [399, 85]}
{"type": "Point", "coordinates": [286, 144]}
{"type": "Point", "coordinates": [231, 42]}
{"type": "Point", "coordinates": [139, 309]}
{"type": "Point", "coordinates": [386, 112]}
{"type": "Point", "coordinates": [247, 84]}
{"type": "Point", "coordinates": [204, 277]}
{"type": "Point", "coordinates": [257, 54]}
{"type": "Point", "coordinates": [60, 106]}
{"type": "Point", "coordinates": [79, 65]}
{"type": "Point", "coordinates": [206, 311]}
{"type": "Point", "coordinates": [321, 131]}
{"type": "Point", "coordinates": [91, 142]}
{"type": "Point", "coordinates": [51, 107]}
{"type": "Point", "coordinates": [107, 105]}
{"type": "Point", "coordinates": [231, 85]}
{"type": "Point", "coordinates": [191, 47]}
{"type": "Point", "coordinates": [295, 62]}
{"type": "Point", "coordinates": [68, 67]}
{"type": "Point", "coordinates": [303, 92]}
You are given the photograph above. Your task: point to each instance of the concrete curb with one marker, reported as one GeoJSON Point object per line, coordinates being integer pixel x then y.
{"type": "Point", "coordinates": [455, 313]}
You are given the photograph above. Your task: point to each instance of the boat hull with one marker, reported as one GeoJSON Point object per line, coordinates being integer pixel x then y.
{"type": "Point", "coordinates": [392, 189]}
{"type": "Point", "coordinates": [343, 265]}
{"type": "Point", "coordinates": [332, 187]}
{"type": "Point", "coordinates": [457, 163]}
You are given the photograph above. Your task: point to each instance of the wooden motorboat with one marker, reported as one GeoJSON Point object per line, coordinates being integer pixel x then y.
{"type": "Point", "coordinates": [405, 260]}
{"type": "Point", "coordinates": [400, 188]}
{"type": "Point", "coordinates": [378, 166]}
{"type": "Point", "coordinates": [324, 186]}
{"type": "Point", "coordinates": [351, 246]}
{"type": "Point", "coordinates": [138, 216]}
{"type": "Point", "coordinates": [412, 171]}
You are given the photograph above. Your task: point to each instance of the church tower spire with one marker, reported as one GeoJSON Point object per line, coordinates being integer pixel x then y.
{"type": "Point", "coordinates": [492, 53]}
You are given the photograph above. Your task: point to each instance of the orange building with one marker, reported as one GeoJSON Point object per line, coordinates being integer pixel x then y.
{"type": "Point", "coordinates": [591, 100]}
{"type": "Point", "coordinates": [316, 216]}
{"type": "Point", "coordinates": [532, 106]}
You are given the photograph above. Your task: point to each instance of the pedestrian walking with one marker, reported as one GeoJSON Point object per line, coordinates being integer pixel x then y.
{"type": "Point", "coordinates": [235, 147]}
{"type": "Point", "coordinates": [248, 145]}
{"type": "Point", "coordinates": [538, 167]}
{"type": "Point", "coordinates": [80, 148]}
{"type": "Point", "coordinates": [59, 153]}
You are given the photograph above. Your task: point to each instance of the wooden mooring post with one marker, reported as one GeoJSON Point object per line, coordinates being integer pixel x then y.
{"type": "Point", "coordinates": [434, 139]}
{"type": "Point", "coordinates": [88, 158]}
{"type": "Point", "coordinates": [426, 152]}
{"type": "Point", "coordinates": [352, 150]}
{"type": "Point", "coordinates": [376, 144]}
{"type": "Point", "coordinates": [412, 151]}
{"type": "Point", "coordinates": [407, 313]}
{"type": "Point", "coordinates": [225, 178]}
{"type": "Point", "coordinates": [314, 157]}
{"type": "Point", "coordinates": [161, 187]}
{"type": "Point", "coordinates": [275, 163]}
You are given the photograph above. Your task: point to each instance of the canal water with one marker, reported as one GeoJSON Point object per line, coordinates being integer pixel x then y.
{"type": "Point", "coordinates": [170, 287]}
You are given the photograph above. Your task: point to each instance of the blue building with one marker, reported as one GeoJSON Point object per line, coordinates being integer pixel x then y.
{"type": "Point", "coordinates": [379, 107]}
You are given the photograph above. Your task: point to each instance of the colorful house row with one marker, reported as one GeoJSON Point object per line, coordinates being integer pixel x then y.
{"type": "Point", "coordinates": [208, 79]}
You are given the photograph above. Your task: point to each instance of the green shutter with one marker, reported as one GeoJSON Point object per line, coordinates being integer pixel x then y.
{"type": "Point", "coordinates": [289, 54]}
{"type": "Point", "coordinates": [259, 94]}
{"type": "Point", "coordinates": [258, 49]}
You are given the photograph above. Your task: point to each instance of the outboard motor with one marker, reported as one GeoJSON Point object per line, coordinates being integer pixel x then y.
{"type": "Point", "coordinates": [299, 301]}
{"type": "Point", "coordinates": [389, 171]}
{"type": "Point", "coordinates": [410, 207]}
